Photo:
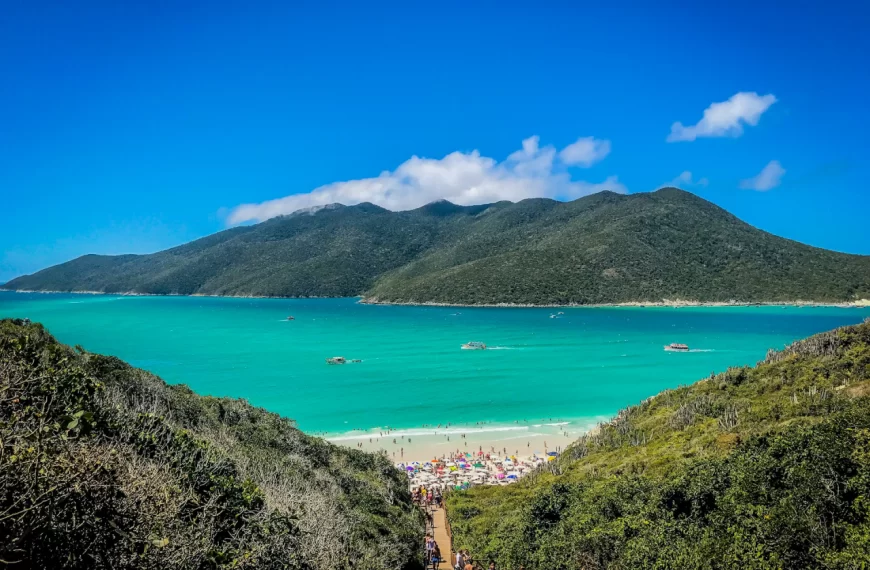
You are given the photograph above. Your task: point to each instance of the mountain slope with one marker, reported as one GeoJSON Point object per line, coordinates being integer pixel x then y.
{"type": "Point", "coordinates": [604, 248]}
{"type": "Point", "coordinates": [765, 467]}
{"type": "Point", "coordinates": [612, 248]}
{"type": "Point", "coordinates": [104, 466]}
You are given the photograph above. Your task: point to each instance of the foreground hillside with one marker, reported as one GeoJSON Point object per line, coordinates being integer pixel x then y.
{"type": "Point", "coordinates": [604, 248]}
{"type": "Point", "coordinates": [104, 466]}
{"type": "Point", "coordinates": [764, 467]}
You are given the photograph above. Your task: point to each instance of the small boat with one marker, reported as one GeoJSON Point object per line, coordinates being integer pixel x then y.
{"type": "Point", "coordinates": [677, 347]}
{"type": "Point", "coordinates": [560, 313]}
{"type": "Point", "coordinates": [336, 360]}
{"type": "Point", "coordinates": [473, 345]}
{"type": "Point", "coordinates": [291, 318]}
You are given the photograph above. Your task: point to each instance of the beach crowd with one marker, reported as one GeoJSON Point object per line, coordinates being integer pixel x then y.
{"type": "Point", "coordinates": [461, 470]}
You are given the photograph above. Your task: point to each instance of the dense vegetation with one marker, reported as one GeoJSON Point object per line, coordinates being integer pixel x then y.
{"type": "Point", "coordinates": [604, 248]}
{"type": "Point", "coordinates": [104, 466]}
{"type": "Point", "coordinates": [764, 467]}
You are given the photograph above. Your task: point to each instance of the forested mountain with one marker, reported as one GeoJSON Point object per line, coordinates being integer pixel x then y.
{"type": "Point", "coordinates": [763, 468]}
{"type": "Point", "coordinates": [103, 466]}
{"type": "Point", "coordinates": [604, 248]}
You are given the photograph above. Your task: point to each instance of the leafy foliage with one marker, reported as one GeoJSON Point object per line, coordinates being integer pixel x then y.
{"type": "Point", "coordinates": [104, 466]}
{"type": "Point", "coordinates": [604, 248]}
{"type": "Point", "coordinates": [765, 467]}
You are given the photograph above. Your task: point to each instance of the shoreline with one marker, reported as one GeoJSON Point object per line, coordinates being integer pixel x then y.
{"type": "Point", "coordinates": [520, 437]}
{"type": "Point", "coordinates": [665, 303]}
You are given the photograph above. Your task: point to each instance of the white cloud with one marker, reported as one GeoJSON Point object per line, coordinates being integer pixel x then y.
{"type": "Point", "coordinates": [725, 119]}
{"type": "Point", "coordinates": [585, 152]}
{"type": "Point", "coordinates": [462, 178]}
{"type": "Point", "coordinates": [686, 180]}
{"type": "Point", "coordinates": [769, 177]}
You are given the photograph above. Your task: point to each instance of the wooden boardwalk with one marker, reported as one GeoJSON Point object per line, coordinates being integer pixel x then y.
{"type": "Point", "coordinates": [442, 537]}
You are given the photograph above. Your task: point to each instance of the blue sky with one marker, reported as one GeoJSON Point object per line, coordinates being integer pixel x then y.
{"type": "Point", "coordinates": [135, 126]}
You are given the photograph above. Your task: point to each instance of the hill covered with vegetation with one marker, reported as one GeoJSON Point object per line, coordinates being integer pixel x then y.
{"type": "Point", "coordinates": [604, 248]}
{"type": "Point", "coordinates": [764, 467]}
{"type": "Point", "coordinates": [104, 466]}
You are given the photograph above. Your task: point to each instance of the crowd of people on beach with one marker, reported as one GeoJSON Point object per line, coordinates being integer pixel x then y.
{"type": "Point", "coordinates": [461, 470]}
{"type": "Point", "coordinates": [391, 442]}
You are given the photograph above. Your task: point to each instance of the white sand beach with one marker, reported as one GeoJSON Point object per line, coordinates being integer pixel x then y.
{"type": "Point", "coordinates": [512, 449]}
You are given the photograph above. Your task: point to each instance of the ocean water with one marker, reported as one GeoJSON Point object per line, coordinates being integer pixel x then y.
{"type": "Point", "coordinates": [580, 367]}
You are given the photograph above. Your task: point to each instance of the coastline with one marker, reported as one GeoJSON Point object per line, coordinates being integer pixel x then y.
{"type": "Point", "coordinates": [520, 438]}
{"type": "Point", "coordinates": [664, 303]}
{"type": "Point", "coordinates": [667, 303]}
{"type": "Point", "coordinates": [137, 294]}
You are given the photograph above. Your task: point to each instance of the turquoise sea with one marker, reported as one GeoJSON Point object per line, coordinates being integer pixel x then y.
{"type": "Point", "coordinates": [583, 365]}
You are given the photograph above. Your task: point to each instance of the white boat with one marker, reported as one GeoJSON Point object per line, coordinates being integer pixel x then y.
{"type": "Point", "coordinates": [336, 360]}
{"type": "Point", "coordinates": [473, 345]}
{"type": "Point", "coordinates": [677, 347]}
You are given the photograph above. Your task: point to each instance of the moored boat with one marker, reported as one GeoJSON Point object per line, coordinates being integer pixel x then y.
{"type": "Point", "coordinates": [677, 347]}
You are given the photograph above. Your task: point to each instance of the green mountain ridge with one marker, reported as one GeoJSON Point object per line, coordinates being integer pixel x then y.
{"type": "Point", "coordinates": [603, 248]}
{"type": "Point", "coordinates": [764, 467]}
{"type": "Point", "coordinates": [104, 466]}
